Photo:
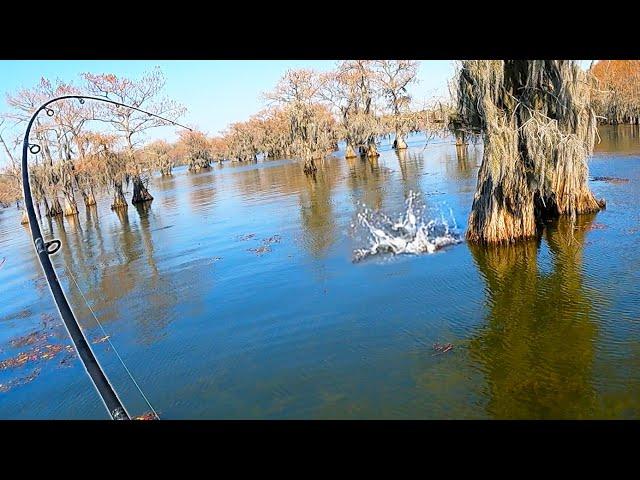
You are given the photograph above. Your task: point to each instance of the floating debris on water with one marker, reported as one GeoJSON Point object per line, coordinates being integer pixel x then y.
{"type": "Point", "coordinates": [609, 179]}
{"type": "Point", "coordinates": [37, 353]}
{"type": "Point", "coordinates": [260, 250]}
{"type": "Point", "coordinates": [47, 318]}
{"type": "Point", "coordinates": [273, 239]}
{"type": "Point", "coordinates": [266, 245]}
{"type": "Point", "coordinates": [597, 226]}
{"type": "Point", "coordinates": [410, 234]}
{"type": "Point", "coordinates": [5, 387]}
{"type": "Point", "coordinates": [161, 228]}
{"type": "Point", "coordinates": [101, 339]}
{"type": "Point", "coordinates": [245, 237]}
{"type": "Point", "coordinates": [593, 226]}
{"type": "Point", "coordinates": [30, 339]}
{"type": "Point", "coordinates": [146, 416]}
{"type": "Point", "coordinates": [442, 348]}
{"type": "Point", "coordinates": [49, 352]}
{"type": "Point", "coordinates": [70, 355]}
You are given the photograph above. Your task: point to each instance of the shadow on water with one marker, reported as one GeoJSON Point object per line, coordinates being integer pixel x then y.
{"type": "Point", "coordinates": [537, 346]}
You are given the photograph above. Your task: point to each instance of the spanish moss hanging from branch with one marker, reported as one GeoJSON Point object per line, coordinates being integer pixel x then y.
{"type": "Point", "coordinates": [538, 128]}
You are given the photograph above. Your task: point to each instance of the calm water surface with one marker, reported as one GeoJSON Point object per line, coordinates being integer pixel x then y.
{"type": "Point", "coordinates": [215, 326]}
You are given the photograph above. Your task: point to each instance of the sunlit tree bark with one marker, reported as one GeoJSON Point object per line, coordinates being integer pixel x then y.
{"type": "Point", "coordinates": [538, 128]}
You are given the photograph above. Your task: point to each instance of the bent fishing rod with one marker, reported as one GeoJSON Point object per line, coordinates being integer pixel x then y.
{"type": "Point", "coordinates": [44, 249]}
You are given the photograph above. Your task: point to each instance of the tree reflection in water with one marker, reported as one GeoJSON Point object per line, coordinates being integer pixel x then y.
{"type": "Point", "coordinates": [411, 166]}
{"type": "Point", "coordinates": [317, 217]}
{"type": "Point", "coordinates": [537, 347]}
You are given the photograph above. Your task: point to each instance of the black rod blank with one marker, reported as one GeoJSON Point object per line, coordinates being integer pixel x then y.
{"type": "Point", "coordinates": [43, 249]}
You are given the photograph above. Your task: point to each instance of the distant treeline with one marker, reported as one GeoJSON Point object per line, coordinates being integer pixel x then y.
{"type": "Point", "coordinates": [617, 98]}
{"type": "Point", "coordinates": [308, 114]}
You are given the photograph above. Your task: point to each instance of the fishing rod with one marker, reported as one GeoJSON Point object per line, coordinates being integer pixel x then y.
{"type": "Point", "coordinates": [44, 249]}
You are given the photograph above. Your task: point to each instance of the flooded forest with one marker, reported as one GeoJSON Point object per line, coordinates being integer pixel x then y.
{"type": "Point", "coordinates": [347, 252]}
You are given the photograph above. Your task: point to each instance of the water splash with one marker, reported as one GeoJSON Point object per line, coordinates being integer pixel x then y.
{"type": "Point", "coordinates": [409, 234]}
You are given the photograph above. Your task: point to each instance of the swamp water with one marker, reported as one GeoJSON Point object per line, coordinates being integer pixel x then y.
{"type": "Point", "coordinates": [235, 294]}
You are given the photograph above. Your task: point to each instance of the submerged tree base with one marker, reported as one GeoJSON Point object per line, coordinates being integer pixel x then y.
{"type": "Point", "coordinates": [70, 207]}
{"type": "Point", "coordinates": [140, 192]}
{"type": "Point", "coordinates": [399, 143]}
{"type": "Point", "coordinates": [350, 152]}
{"type": "Point", "coordinates": [538, 128]}
{"type": "Point", "coordinates": [119, 201]}
{"type": "Point", "coordinates": [55, 209]}
{"type": "Point", "coordinates": [89, 199]}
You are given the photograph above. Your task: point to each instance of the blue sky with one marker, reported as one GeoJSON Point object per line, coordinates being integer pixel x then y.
{"type": "Point", "coordinates": [215, 92]}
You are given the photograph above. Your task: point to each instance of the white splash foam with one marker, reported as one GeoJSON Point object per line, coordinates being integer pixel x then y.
{"type": "Point", "coordinates": [407, 235]}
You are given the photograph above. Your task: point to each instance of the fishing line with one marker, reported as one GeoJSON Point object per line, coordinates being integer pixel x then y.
{"type": "Point", "coordinates": [44, 249]}
{"type": "Point", "coordinates": [108, 337]}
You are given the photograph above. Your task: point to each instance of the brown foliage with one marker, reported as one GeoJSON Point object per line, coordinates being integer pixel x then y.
{"type": "Point", "coordinates": [310, 123]}
{"type": "Point", "coordinates": [618, 93]}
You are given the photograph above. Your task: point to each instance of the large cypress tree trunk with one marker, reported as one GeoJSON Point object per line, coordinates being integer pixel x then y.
{"type": "Point", "coordinates": [538, 129]}
{"type": "Point", "coordinates": [89, 197]}
{"type": "Point", "coordinates": [349, 151]}
{"type": "Point", "coordinates": [55, 209]}
{"type": "Point", "coordinates": [372, 150]}
{"type": "Point", "coordinates": [119, 200]}
{"type": "Point", "coordinates": [70, 205]}
{"type": "Point", "coordinates": [140, 192]}
{"type": "Point", "coordinates": [399, 143]}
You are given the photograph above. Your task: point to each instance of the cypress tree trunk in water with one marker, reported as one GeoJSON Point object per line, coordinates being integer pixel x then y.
{"type": "Point", "coordinates": [55, 209]}
{"type": "Point", "coordinates": [140, 192]}
{"type": "Point", "coordinates": [70, 206]}
{"type": "Point", "coordinates": [88, 197]}
{"type": "Point", "coordinates": [198, 164]}
{"type": "Point", "coordinates": [119, 201]}
{"type": "Point", "coordinates": [399, 143]}
{"type": "Point", "coordinates": [350, 152]}
{"type": "Point", "coordinates": [538, 129]}
{"type": "Point", "coordinates": [25, 218]}
{"type": "Point", "coordinates": [372, 150]}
